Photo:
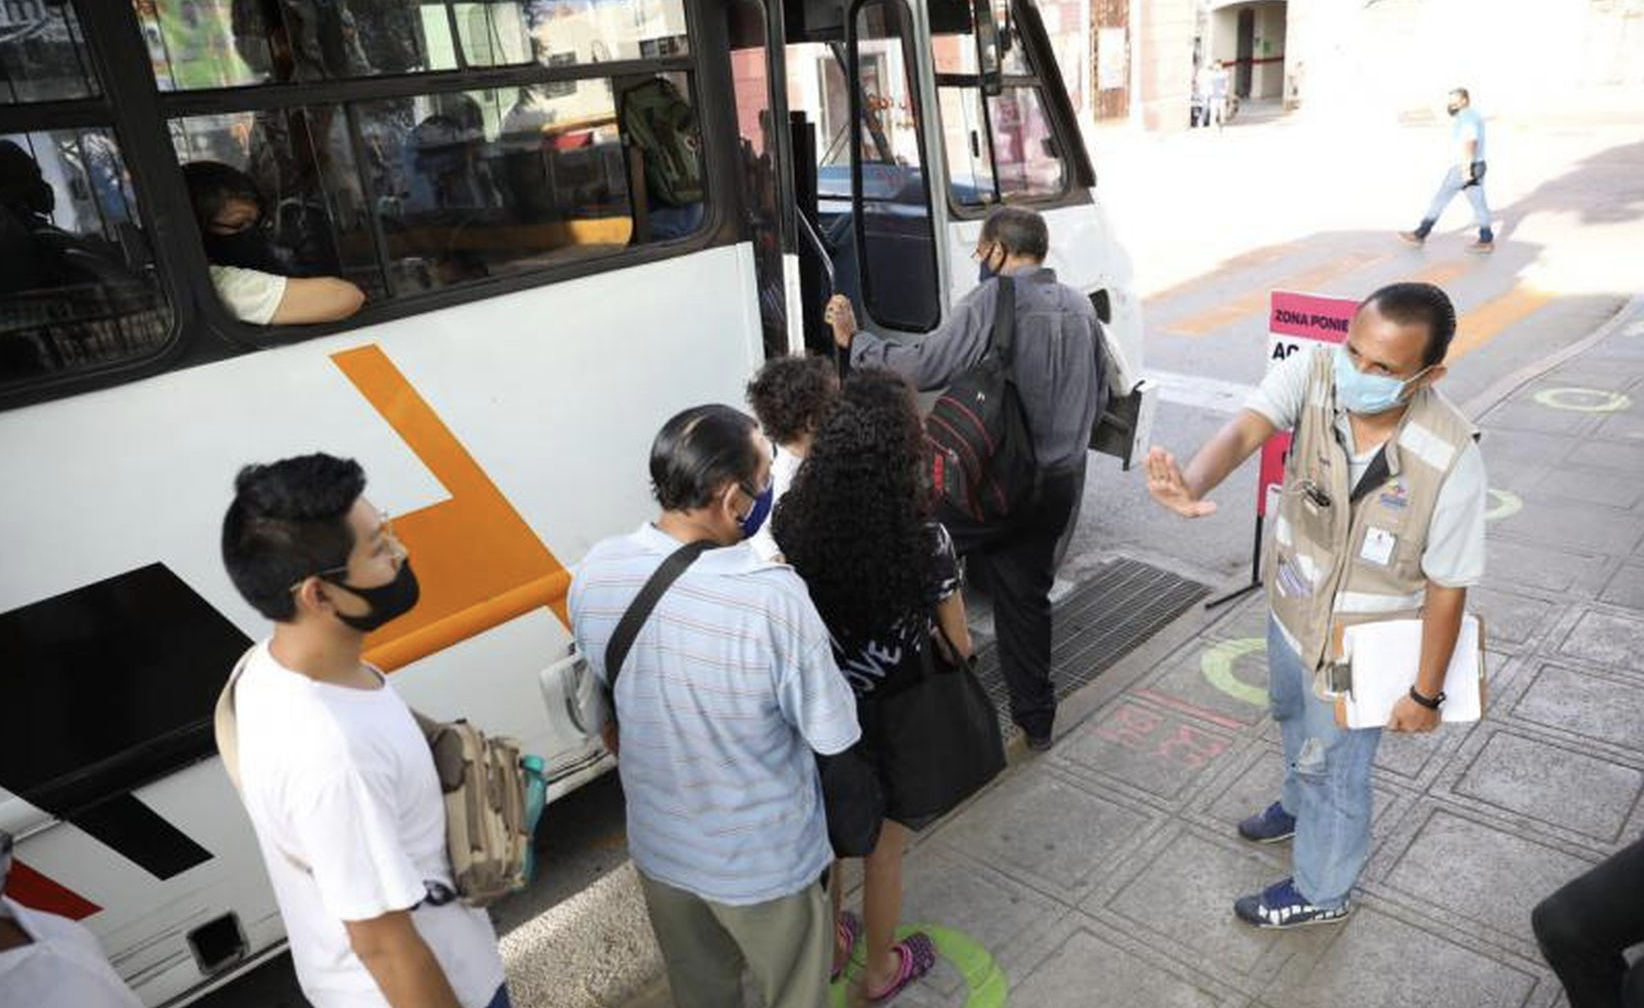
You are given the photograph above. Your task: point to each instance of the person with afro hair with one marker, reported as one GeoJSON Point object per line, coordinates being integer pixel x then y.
{"type": "Point", "coordinates": [790, 396]}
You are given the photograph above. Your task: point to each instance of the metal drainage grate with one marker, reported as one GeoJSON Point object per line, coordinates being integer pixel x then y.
{"type": "Point", "coordinates": [1099, 622]}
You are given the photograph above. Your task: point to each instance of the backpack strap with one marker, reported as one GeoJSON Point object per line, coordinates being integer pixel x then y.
{"type": "Point", "coordinates": [225, 723]}
{"type": "Point", "coordinates": [226, 726]}
{"type": "Point", "coordinates": [1003, 337]}
{"type": "Point", "coordinates": [639, 610]}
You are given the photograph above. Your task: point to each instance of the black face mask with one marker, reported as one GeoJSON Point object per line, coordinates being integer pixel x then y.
{"type": "Point", "coordinates": [1452, 109]}
{"type": "Point", "coordinates": [249, 249]}
{"type": "Point", "coordinates": [389, 601]}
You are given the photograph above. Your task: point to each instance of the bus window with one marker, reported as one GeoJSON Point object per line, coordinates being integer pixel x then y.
{"type": "Point", "coordinates": [1010, 152]}
{"type": "Point", "coordinates": [43, 55]}
{"type": "Point", "coordinates": [964, 133]}
{"type": "Point", "coordinates": [77, 293]}
{"type": "Point", "coordinates": [231, 43]}
{"type": "Point", "coordinates": [567, 32]}
{"type": "Point", "coordinates": [1024, 146]}
{"type": "Point", "coordinates": [475, 184]}
{"type": "Point", "coordinates": [313, 215]}
{"type": "Point", "coordinates": [896, 237]}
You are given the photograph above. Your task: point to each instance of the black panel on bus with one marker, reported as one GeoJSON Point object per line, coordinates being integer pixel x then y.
{"type": "Point", "coordinates": [813, 20]}
{"type": "Point", "coordinates": [109, 686]}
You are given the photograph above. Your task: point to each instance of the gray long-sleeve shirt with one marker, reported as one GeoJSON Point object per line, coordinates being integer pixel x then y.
{"type": "Point", "coordinates": [1058, 358]}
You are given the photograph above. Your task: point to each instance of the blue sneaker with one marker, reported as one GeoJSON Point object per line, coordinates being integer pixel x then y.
{"type": "Point", "coordinates": [1270, 826]}
{"type": "Point", "coordinates": [1280, 906]}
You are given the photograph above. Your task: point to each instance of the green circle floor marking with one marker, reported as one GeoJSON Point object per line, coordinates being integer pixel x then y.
{"type": "Point", "coordinates": [1506, 505]}
{"type": "Point", "coordinates": [1217, 666]}
{"type": "Point", "coordinates": [986, 984]}
{"type": "Point", "coordinates": [1583, 400]}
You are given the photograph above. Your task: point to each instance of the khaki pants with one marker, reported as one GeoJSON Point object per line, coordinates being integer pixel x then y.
{"type": "Point", "coordinates": [787, 944]}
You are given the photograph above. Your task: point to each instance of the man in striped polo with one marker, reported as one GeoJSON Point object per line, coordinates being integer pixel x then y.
{"type": "Point", "coordinates": [727, 694]}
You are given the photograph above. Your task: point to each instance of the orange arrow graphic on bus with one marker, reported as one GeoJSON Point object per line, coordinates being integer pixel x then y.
{"type": "Point", "coordinates": [479, 564]}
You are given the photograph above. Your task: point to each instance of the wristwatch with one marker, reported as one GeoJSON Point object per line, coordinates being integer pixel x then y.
{"type": "Point", "coordinates": [1431, 703]}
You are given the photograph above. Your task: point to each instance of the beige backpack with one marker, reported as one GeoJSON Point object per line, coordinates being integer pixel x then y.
{"type": "Point", "coordinates": [486, 834]}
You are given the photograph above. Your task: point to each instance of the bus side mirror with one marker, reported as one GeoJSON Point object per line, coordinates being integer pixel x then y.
{"type": "Point", "coordinates": [988, 59]}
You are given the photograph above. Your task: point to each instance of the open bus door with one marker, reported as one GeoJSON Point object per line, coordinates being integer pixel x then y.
{"type": "Point", "coordinates": [910, 120]}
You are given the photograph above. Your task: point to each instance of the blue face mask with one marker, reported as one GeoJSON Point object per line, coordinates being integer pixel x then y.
{"type": "Point", "coordinates": [1367, 394]}
{"type": "Point", "coordinates": [755, 518]}
{"type": "Point", "coordinates": [984, 267]}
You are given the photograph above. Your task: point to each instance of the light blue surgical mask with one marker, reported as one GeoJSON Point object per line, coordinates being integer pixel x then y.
{"type": "Point", "coordinates": [1368, 394]}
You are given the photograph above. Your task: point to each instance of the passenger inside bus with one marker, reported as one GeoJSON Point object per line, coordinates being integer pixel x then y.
{"type": "Point", "coordinates": [661, 130]}
{"type": "Point", "coordinates": [248, 271]}
{"type": "Point", "coordinates": [34, 252]}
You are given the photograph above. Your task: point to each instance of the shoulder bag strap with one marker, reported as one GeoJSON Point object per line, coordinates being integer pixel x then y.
{"type": "Point", "coordinates": [639, 610]}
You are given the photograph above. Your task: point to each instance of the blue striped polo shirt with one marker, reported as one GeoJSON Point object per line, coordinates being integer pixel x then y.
{"type": "Point", "coordinates": [729, 690]}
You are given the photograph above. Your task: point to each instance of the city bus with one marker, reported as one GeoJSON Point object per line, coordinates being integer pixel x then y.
{"type": "Point", "coordinates": [569, 219]}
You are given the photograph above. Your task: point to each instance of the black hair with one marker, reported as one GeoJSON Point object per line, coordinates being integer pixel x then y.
{"type": "Point", "coordinates": [1411, 302]}
{"type": "Point", "coordinates": [789, 395]}
{"type": "Point", "coordinates": [1463, 93]}
{"type": "Point", "coordinates": [1021, 231]}
{"type": "Point", "coordinates": [212, 185]}
{"type": "Point", "coordinates": [698, 452]}
{"type": "Point", "coordinates": [856, 522]}
{"type": "Point", "coordinates": [289, 521]}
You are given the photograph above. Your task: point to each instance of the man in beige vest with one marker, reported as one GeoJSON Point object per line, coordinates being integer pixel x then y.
{"type": "Point", "coordinates": [1381, 517]}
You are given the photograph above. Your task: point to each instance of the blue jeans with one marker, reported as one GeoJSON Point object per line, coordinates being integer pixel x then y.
{"type": "Point", "coordinates": [1326, 780]}
{"type": "Point", "coordinates": [500, 1000]}
{"type": "Point", "coordinates": [1446, 192]}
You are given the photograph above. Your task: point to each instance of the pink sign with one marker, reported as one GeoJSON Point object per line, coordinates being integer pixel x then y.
{"type": "Point", "coordinates": [1294, 321]}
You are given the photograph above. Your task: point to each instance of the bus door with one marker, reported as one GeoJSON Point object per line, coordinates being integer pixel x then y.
{"type": "Point", "coordinates": [754, 30]}
{"type": "Point", "coordinates": [861, 185]}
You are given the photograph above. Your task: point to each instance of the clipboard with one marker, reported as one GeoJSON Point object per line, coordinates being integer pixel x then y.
{"type": "Point", "coordinates": [1385, 657]}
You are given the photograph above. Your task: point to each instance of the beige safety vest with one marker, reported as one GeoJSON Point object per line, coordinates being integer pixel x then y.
{"type": "Point", "coordinates": [1333, 562]}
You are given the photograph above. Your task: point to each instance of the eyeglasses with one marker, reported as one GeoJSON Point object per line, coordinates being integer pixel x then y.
{"type": "Point", "coordinates": [385, 528]}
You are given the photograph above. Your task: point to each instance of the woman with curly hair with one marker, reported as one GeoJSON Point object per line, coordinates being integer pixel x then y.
{"type": "Point", "coordinates": [856, 525]}
{"type": "Point", "coordinates": [790, 396]}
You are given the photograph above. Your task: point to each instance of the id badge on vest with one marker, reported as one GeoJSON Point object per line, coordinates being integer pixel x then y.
{"type": "Point", "coordinates": [1378, 546]}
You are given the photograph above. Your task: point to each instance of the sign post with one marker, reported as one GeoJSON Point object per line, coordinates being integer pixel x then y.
{"type": "Point", "coordinates": [1294, 321]}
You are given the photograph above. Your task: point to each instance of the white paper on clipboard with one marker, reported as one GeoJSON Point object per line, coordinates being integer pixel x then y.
{"type": "Point", "coordinates": [1385, 657]}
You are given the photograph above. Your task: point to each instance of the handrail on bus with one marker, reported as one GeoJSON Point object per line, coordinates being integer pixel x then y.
{"type": "Point", "coordinates": [808, 231]}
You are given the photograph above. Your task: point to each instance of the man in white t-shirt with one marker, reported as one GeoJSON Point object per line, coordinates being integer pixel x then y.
{"type": "Point", "coordinates": [47, 961]}
{"type": "Point", "coordinates": [790, 396]}
{"type": "Point", "coordinates": [335, 774]}
{"type": "Point", "coordinates": [1381, 517]}
{"type": "Point", "coordinates": [247, 272]}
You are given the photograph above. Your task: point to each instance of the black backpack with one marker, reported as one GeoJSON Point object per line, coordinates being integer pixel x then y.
{"type": "Point", "coordinates": [982, 460]}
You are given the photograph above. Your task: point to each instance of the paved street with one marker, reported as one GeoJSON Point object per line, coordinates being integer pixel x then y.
{"type": "Point", "coordinates": [1103, 873]}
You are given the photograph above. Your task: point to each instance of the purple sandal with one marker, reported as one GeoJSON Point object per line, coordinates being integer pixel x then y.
{"type": "Point", "coordinates": [847, 931]}
{"type": "Point", "coordinates": [918, 955]}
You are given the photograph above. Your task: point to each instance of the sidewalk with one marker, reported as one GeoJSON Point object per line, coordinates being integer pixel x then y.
{"type": "Point", "coordinates": [1103, 873]}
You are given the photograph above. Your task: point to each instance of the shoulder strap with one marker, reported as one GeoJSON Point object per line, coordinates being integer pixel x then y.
{"type": "Point", "coordinates": [639, 610]}
{"type": "Point", "coordinates": [225, 724]}
{"type": "Point", "coordinates": [1003, 337]}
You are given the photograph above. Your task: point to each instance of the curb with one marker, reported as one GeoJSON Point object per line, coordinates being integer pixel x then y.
{"type": "Point", "coordinates": [1478, 407]}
